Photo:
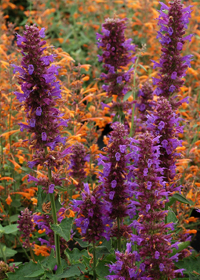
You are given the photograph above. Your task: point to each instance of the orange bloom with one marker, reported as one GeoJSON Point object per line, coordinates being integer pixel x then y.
{"type": "Point", "coordinates": [8, 200]}
{"type": "Point", "coordinates": [41, 250]}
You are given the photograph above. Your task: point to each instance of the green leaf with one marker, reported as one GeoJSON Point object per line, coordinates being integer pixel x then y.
{"type": "Point", "coordinates": [127, 95]}
{"type": "Point", "coordinates": [41, 197]}
{"type": "Point", "coordinates": [193, 277]}
{"type": "Point", "coordinates": [72, 271]}
{"type": "Point", "coordinates": [16, 203]}
{"type": "Point", "coordinates": [49, 262]}
{"type": "Point", "coordinates": [64, 228]}
{"type": "Point", "coordinates": [101, 251]}
{"type": "Point", "coordinates": [11, 229]}
{"type": "Point", "coordinates": [171, 217]}
{"type": "Point", "coordinates": [102, 269]}
{"type": "Point", "coordinates": [15, 263]}
{"type": "Point", "coordinates": [23, 271]}
{"type": "Point", "coordinates": [142, 67]}
{"type": "Point", "coordinates": [13, 218]}
{"type": "Point", "coordinates": [7, 251]}
{"type": "Point", "coordinates": [107, 244]}
{"type": "Point", "coordinates": [178, 197]}
{"type": "Point", "coordinates": [37, 273]}
{"type": "Point", "coordinates": [190, 264]}
{"type": "Point", "coordinates": [75, 255]}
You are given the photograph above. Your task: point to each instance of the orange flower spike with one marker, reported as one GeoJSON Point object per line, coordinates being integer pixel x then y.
{"type": "Point", "coordinates": [9, 200]}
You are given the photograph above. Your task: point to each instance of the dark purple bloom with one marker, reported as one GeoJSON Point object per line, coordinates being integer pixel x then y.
{"type": "Point", "coordinates": [40, 88]}
{"type": "Point", "coordinates": [92, 214]}
{"type": "Point", "coordinates": [117, 53]}
{"type": "Point", "coordinates": [171, 36]}
{"type": "Point", "coordinates": [26, 226]}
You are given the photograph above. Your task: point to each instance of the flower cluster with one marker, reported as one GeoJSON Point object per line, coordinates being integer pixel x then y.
{"type": "Point", "coordinates": [125, 267]}
{"type": "Point", "coordinates": [146, 103]}
{"type": "Point", "coordinates": [92, 214]}
{"type": "Point", "coordinates": [172, 65]}
{"type": "Point", "coordinates": [78, 159]}
{"type": "Point", "coordinates": [165, 123]}
{"type": "Point", "coordinates": [153, 240]}
{"type": "Point", "coordinates": [113, 178]}
{"type": "Point", "coordinates": [40, 90]}
{"type": "Point", "coordinates": [26, 226]}
{"type": "Point", "coordinates": [117, 53]}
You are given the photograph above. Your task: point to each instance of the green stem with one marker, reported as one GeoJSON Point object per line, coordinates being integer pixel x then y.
{"type": "Point", "coordinates": [94, 261]}
{"type": "Point", "coordinates": [118, 237]}
{"type": "Point", "coordinates": [134, 91]}
{"type": "Point", "coordinates": [166, 208]}
{"type": "Point", "coordinates": [3, 255]}
{"type": "Point", "coordinates": [56, 236]}
{"type": "Point", "coordinates": [53, 209]}
{"type": "Point", "coordinates": [23, 248]}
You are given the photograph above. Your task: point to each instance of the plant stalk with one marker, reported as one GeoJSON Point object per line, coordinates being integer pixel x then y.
{"type": "Point", "coordinates": [94, 261]}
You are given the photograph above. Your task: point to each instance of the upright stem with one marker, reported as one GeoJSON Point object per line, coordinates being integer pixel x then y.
{"type": "Point", "coordinates": [118, 237]}
{"type": "Point", "coordinates": [94, 261]}
{"type": "Point", "coordinates": [56, 236]}
{"type": "Point", "coordinates": [134, 91]}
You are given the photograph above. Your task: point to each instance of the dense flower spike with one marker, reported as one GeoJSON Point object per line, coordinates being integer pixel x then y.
{"type": "Point", "coordinates": [78, 159]}
{"type": "Point", "coordinates": [146, 100]}
{"type": "Point", "coordinates": [26, 226]}
{"type": "Point", "coordinates": [40, 90]}
{"type": "Point", "coordinates": [165, 123]}
{"type": "Point", "coordinates": [152, 239]}
{"type": "Point", "coordinates": [117, 53]}
{"type": "Point", "coordinates": [172, 65]}
{"type": "Point", "coordinates": [125, 267]}
{"type": "Point", "coordinates": [92, 214]}
{"type": "Point", "coordinates": [113, 178]}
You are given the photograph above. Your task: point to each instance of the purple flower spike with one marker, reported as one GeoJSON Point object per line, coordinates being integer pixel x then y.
{"type": "Point", "coordinates": [40, 90]}
{"type": "Point", "coordinates": [117, 53]}
{"type": "Point", "coordinates": [173, 23]}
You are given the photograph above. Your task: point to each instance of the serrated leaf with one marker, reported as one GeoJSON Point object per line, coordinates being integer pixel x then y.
{"type": "Point", "coordinates": [102, 269]}
{"type": "Point", "coordinates": [23, 271]}
{"type": "Point", "coordinates": [190, 264]}
{"type": "Point", "coordinates": [49, 262]}
{"type": "Point", "coordinates": [11, 229]}
{"type": "Point", "coordinates": [75, 255]}
{"type": "Point", "coordinates": [7, 251]}
{"type": "Point", "coordinates": [64, 228]}
{"type": "Point", "coordinates": [82, 243]}
{"type": "Point", "coordinates": [127, 95]}
{"type": "Point", "coordinates": [171, 217]}
{"type": "Point", "coordinates": [101, 251]}
{"type": "Point", "coordinates": [72, 271]}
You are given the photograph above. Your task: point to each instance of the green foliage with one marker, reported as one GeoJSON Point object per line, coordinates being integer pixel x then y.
{"type": "Point", "coordinates": [64, 228]}
{"type": "Point", "coordinates": [179, 197]}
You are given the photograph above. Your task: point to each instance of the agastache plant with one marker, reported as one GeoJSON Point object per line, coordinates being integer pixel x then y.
{"type": "Point", "coordinates": [117, 54]}
{"type": "Point", "coordinates": [173, 21]}
{"type": "Point", "coordinates": [40, 91]}
{"type": "Point", "coordinates": [92, 219]}
{"type": "Point", "coordinates": [164, 122]}
{"type": "Point", "coordinates": [153, 238]}
{"type": "Point", "coordinates": [114, 179]}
